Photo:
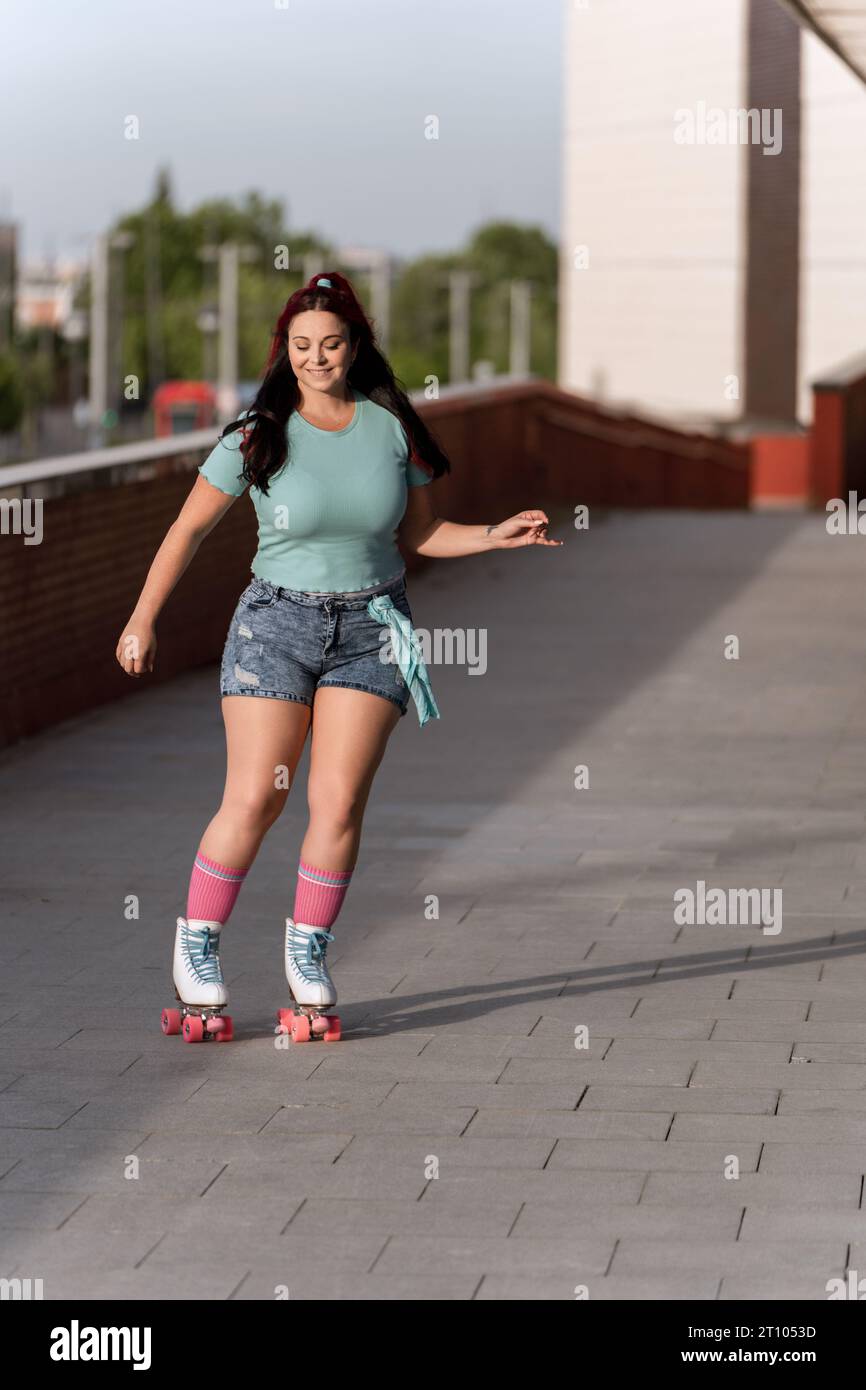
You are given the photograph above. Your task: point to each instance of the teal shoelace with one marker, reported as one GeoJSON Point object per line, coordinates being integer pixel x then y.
{"type": "Point", "coordinates": [310, 961]}
{"type": "Point", "coordinates": [203, 949]}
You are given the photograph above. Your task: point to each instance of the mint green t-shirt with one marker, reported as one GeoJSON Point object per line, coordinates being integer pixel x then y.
{"type": "Point", "coordinates": [328, 523]}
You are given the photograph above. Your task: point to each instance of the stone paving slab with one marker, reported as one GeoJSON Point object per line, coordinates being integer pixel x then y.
{"type": "Point", "coordinates": [780, 1223]}
{"type": "Point", "coordinates": [548, 1219]}
{"type": "Point", "coordinates": [661, 1286]}
{"type": "Point", "coordinates": [650, 1156]}
{"type": "Point", "coordinates": [709, 1099]}
{"type": "Point", "coordinates": [370, 1151]}
{"type": "Point", "coordinates": [54, 1173]}
{"type": "Point", "coordinates": [384, 1119]}
{"type": "Point", "coordinates": [715, 1050]}
{"type": "Point", "coordinates": [215, 1280]}
{"type": "Point", "coordinates": [569, 1124]}
{"type": "Point", "coordinates": [33, 1212]}
{"type": "Point", "coordinates": [816, 1191]}
{"type": "Point", "coordinates": [576, 1258]}
{"type": "Point", "coordinates": [822, 1128]}
{"type": "Point", "coordinates": [816, 1076]}
{"type": "Point", "coordinates": [559, 1167]}
{"type": "Point", "coordinates": [825, 1102]}
{"type": "Point", "coordinates": [564, 1096]}
{"type": "Point", "coordinates": [803, 1035]}
{"type": "Point", "coordinates": [641, 1257]}
{"type": "Point", "coordinates": [159, 1212]}
{"type": "Point", "coordinates": [306, 1287]}
{"type": "Point", "coordinates": [338, 1217]}
{"type": "Point", "coordinates": [780, 1284]}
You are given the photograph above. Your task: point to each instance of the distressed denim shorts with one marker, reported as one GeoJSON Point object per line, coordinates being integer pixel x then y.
{"type": "Point", "coordinates": [286, 644]}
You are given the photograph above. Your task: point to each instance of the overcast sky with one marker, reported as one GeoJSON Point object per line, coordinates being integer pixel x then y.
{"type": "Point", "coordinates": [321, 104]}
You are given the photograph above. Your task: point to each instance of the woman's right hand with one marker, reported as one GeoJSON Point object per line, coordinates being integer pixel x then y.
{"type": "Point", "coordinates": [136, 649]}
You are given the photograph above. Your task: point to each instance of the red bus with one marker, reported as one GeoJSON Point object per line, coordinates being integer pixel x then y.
{"type": "Point", "coordinates": [181, 406]}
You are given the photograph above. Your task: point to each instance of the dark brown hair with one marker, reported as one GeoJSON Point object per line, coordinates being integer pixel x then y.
{"type": "Point", "coordinates": [265, 445]}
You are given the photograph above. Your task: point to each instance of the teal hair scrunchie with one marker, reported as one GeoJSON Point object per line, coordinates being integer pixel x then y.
{"type": "Point", "coordinates": [325, 282]}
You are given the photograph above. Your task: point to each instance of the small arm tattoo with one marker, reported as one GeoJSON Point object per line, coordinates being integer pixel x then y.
{"type": "Point", "coordinates": [491, 529]}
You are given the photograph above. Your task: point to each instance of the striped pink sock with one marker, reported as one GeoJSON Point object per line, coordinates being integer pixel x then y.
{"type": "Point", "coordinates": [213, 890]}
{"type": "Point", "coordinates": [319, 894]}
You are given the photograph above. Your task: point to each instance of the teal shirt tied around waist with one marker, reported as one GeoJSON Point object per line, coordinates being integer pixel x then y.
{"type": "Point", "coordinates": [407, 649]}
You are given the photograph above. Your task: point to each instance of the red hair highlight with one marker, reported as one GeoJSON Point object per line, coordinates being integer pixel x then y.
{"type": "Point", "coordinates": [337, 298]}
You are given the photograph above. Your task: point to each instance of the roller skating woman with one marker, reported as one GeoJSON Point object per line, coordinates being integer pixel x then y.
{"type": "Point", "coordinates": [337, 463]}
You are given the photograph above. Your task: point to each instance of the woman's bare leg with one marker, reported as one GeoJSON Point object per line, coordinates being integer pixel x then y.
{"type": "Point", "coordinates": [351, 729]}
{"type": "Point", "coordinates": [264, 742]}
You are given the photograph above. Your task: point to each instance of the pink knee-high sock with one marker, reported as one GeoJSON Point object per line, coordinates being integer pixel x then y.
{"type": "Point", "coordinates": [213, 890]}
{"type": "Point", "coordinates": [319, 894]}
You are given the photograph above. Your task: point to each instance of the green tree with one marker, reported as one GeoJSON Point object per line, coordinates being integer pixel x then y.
{"type": "Point", "coordinates": [497, 254]}
{"type": "Point", "coordinates": [170, 276]}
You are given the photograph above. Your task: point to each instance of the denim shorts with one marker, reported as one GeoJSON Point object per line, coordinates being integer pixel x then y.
{"type": "Point", "coordinates": [286, 644]}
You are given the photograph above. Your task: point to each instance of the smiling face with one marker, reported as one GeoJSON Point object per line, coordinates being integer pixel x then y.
{"type": "Point", "coordinates": [320, 351]}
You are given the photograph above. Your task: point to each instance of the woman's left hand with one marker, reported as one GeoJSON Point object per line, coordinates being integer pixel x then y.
{"type": "Point", "coordinates": [527, 528]}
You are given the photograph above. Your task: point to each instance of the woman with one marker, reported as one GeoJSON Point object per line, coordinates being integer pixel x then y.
{"type": "Point", "coordinates": [337, 462]}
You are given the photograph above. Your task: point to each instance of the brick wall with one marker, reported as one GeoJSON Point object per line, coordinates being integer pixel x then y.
{"type": "Point", "coordinates": [63, 603]}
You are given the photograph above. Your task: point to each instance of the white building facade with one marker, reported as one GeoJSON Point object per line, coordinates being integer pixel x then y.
{"type": "Point", "coordinates": [713, 263]}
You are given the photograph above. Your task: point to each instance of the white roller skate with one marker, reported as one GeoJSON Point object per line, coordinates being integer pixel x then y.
{"type": "Point", "coordinates": [312, 989]}
{"type": "Point", "coordinates": [198, 984]}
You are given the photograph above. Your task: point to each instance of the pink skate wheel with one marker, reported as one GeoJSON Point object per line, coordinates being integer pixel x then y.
{"type": "Point", "coordinates": [300, 1028]}
{"type": "Point", "coordinates": [170, 1022]}
{"type": "Point", "coordinates": [284, 1020]}
{"type": "Point", "coordinates": [226, 1032]}
{"type": "Point", "coordinates": [333, 1033]}
{"type": "Point", "coordinates": [319, 1025]}
{"type": "Point", "coordinates": [193, 1028]}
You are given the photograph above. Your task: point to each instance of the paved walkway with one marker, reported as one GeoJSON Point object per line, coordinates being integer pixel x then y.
{"type": "Point", "coordinates": [457, 1144]}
